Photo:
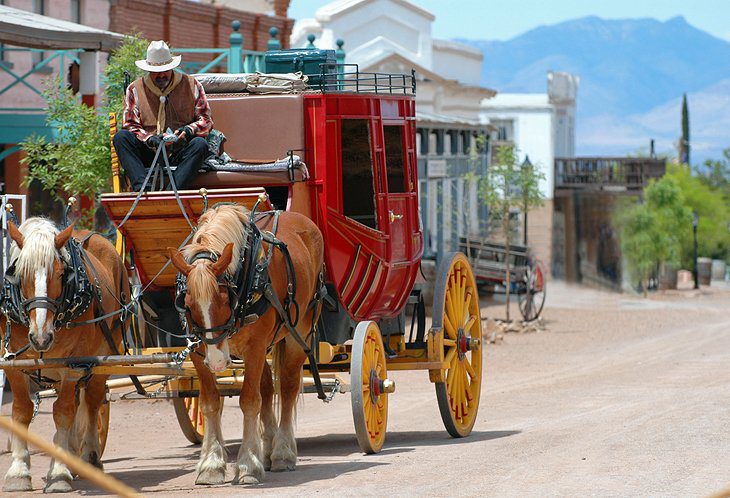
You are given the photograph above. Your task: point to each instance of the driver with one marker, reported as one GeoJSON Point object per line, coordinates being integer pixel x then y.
{"type": "Point", "coordinates": [162, 100]}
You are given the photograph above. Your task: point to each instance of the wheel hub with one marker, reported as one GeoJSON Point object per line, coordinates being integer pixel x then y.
{"type": "Point", "coordinates": [379, 386]}
{"type": "Point", "coordinates": [465, 343]}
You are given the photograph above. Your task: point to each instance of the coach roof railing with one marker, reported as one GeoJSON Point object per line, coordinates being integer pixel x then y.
{"type": "Point", "coordinates": [349, 78]}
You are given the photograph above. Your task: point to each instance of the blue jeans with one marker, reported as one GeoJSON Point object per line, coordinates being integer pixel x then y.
{"type": "Point", "coordinates": [135, 157]}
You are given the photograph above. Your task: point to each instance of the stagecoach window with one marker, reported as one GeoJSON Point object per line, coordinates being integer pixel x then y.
{"type": "Point", "coordinates": [358, 192]}
{"type": "Point", "coordinates": [394, 160]}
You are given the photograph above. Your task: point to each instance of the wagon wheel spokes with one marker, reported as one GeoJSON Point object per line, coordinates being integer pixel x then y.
{"type": "Point", "coordinates": [458, 393]}
{"type": "Point", "coordinates": [370, 387]}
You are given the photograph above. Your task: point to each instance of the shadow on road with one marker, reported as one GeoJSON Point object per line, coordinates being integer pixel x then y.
{"type": "Point", "coordinates": [395, 442]}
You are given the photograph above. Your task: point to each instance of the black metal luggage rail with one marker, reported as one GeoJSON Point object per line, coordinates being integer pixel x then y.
{"type": "Point", "coordinates": [347, 78]}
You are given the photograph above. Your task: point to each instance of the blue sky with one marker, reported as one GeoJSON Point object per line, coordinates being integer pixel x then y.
{"type": "Point", "coordinates": [502, 20]}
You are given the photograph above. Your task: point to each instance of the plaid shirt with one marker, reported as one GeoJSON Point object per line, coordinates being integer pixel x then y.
{"type": "Point", "coordinates": [201, 126]}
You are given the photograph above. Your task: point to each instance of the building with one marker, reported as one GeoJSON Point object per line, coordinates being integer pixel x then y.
{"type": "Point", "coordinates": [542, 127]}
{"type": "Point", "coordinates": [395, 36]}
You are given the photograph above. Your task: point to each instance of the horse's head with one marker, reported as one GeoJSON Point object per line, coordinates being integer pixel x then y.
{"type": "Point", "coordinates": [207, 300]}
{"type": "Point", "coordinates": [39, 270]}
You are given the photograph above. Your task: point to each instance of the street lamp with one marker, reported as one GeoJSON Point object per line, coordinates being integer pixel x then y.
{"type": "Point", "coordinates": [695, 222]}
{"type": "Point", "coordinates": [525, 165]}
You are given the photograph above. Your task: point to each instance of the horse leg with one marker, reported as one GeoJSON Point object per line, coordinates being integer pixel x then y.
{"type": "Point", "coordinates": [18, 476]}
{"type": "Point", "coordinates": [284, 456]}
{"type": "Point", "coordinates": [268, 417]}
{"type": "Point", "coordinates": [59, 476]}
{"type": "Point", "coordinates": [249, 469]}
{"type": "Point", "coordinates": [93, 397]}
{"type": "Point", "coordinates": [212, 464]}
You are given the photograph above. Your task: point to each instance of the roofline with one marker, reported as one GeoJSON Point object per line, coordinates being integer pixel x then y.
{"type": "Point", "coordinates": [334, 9]}
{"type": "Point", "coordinates": [48, 32]}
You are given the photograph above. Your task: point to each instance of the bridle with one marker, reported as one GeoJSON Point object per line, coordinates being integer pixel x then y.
{"type": "Point", "coordinates": [76, 292]}
{"type": "Point", "coordinates": [224, 280]}
{"type": "Point", "coordinates": [243, 291]}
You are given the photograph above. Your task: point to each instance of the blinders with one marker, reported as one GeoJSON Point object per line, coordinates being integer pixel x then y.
{"type": "Point", "coordinates": [76, 294]}
{"type": "Point", "coordinates": [244, 291]}
{"type": "Point", "coordinates": [224, 279]}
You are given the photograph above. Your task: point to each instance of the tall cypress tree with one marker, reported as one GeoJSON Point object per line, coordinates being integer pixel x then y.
{"type": "Point", "coordinates": [684, 149]}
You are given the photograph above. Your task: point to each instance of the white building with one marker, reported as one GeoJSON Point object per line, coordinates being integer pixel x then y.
{"type": "Point", "coordinates": [394, 36]}
{"type": "Point", "coordinates": [542, 127]}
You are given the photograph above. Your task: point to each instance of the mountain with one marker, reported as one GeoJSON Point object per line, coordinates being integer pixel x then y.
{"type": "Point", "coordinates": [632, 72]}
{"type": "Point", "coordinates": [709, 124]}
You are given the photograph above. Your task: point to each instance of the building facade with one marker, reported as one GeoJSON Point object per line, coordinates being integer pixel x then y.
{"type": "Point", "coordinates": [541, 127]}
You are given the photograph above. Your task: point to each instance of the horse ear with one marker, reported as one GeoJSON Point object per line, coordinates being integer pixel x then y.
{"type": "Point", "coordinates": [15, 234]}
{"type": "Point", "coordinates": [226, 256]}
{"type": "Point", "coordinates": [62, 238]}
{"type": "Point", "coordinates": [178, 261]}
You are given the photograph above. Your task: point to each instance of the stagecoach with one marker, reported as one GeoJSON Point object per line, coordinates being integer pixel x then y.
{"type": "Point", "coordinates": [342, 152]}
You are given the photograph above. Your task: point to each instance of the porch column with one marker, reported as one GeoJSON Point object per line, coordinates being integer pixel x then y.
{"type": "Point", "coordinates": [88, 77]}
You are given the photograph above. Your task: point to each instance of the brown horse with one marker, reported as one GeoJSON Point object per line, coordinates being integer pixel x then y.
{"type": "Point", "coordinates": [40, 257]}
{"type": "Point", "coordinates": [221, 232]}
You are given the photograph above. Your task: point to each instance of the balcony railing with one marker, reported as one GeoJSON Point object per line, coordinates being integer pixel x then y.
{"type": "Point", "coordinates": [607, 173]}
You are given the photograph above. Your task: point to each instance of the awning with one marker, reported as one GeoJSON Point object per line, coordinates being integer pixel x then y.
{"type": "Point", "coordinates": [26, 29]}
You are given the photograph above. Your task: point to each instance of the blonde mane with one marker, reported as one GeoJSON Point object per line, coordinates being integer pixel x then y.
{"type": "Point", "coordinates": [39, 247]}
{"type": "Point", "coordinates": [216, 228]}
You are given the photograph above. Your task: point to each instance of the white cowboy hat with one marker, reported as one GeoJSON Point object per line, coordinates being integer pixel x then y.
{"type": "Point", "coordinates": [159, 58]}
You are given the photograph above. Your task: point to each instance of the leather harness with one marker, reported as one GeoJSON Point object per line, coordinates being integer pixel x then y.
{"type": "Point", "coordinates": [251, 293]}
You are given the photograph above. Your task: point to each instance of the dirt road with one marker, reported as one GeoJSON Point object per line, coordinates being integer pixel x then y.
{"type": "Point", "coordinates": [621, 396]}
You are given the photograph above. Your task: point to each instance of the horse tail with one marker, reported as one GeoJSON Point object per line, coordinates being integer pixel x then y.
{"type": "Point", "coordinates": [278, 357]}
{"type": "Point", "coordinates": [80, 425]}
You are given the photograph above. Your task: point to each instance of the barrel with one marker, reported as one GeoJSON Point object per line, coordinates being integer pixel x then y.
{"type": "Point", "coordinates": [704, 270]}
{"type": "Point", "coordinates": [667, 277]}
{"type": "Point", "coordinates": [718, 269]}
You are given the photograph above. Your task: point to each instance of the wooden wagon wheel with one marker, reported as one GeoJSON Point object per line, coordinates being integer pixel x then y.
{"type": "Point", "coordinates": [456, 311]}
{"type": "Point", "coordinates": [532, 297]}
{"type": "Point", "coordinates": [190, 418]}
{"type": "Point", "coordinates": [370, 387]}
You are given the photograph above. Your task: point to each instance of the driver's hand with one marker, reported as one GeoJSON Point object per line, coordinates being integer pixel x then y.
{"type": "Point", "coordinates": [153, 142]}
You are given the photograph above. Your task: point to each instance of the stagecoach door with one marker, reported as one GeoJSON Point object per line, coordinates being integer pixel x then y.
{"type": "Point", "coordinates": [399, 191]}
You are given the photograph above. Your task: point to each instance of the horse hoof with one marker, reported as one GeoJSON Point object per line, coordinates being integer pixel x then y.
{"type": "Point", "coordinates": [58, 486]}
{"type": "Point", "coordinates": [93, 459]}
{"type": "Point", "coordinates": [283, 465]}
{"type": "Point", "coordinates": [267, 463]}
{"type": "Point", "coordinates": [246, 480]}
{"type": "Point", "coordinates": [17, 484]}
{"type": "Point", "coordinates": [211, 477]}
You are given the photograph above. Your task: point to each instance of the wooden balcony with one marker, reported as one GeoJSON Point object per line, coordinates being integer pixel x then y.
{"type": "Point", "coordinates": [607, 173]}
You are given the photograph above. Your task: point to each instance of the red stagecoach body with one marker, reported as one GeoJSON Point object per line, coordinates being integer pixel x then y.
{"type": "Point", "coordinates": [359, 185]}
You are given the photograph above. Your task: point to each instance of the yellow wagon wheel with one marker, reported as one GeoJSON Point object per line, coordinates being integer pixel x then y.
{"type": "Point", "coordinates": [189, 414]}
{"type": "Point", "coordinates": [370, 387]}
{"type": "Point", "coordinates": [456, 312]}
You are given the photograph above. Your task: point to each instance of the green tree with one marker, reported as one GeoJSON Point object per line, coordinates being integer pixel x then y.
{"type": "Point", "coordinates": [715, 173]}
{"type": "Point", "coordinates": [714, 214]}
{"type": "Point", "coordinates": [684, 144]}
{"type": "Point", "coordinates": [510, 186]}
{"type": "Point", "coordinates": [121, 60]}
{"type": "Point", "coordinates": [652, 232]}
{"type": "Point", "coordinates": [77, 159]}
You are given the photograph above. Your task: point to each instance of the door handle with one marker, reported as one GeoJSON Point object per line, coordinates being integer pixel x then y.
{"type": "Point", "coordinates": [394, 216]}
